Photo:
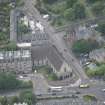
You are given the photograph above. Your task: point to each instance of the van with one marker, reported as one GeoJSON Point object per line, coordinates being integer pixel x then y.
{"type": "Point", "coordinates": [84, 86]}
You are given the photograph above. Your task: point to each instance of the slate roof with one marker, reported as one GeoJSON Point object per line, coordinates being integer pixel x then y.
{"type": "Point", "coordinates": [49, 51]}
{"type": "Point", "coordinates": [9, 55]}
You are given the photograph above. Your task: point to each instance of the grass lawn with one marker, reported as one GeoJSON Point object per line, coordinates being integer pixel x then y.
{"type": "Point", "coordinates": [89, 98]}
{"type": "Point", "coordinates": [47, 72]}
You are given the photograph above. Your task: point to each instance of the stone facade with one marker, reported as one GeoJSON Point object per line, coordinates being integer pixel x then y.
{"type": "Point", "coordinates": [16, 61]}
{"type": "Point", "coordinates": [48, 55]}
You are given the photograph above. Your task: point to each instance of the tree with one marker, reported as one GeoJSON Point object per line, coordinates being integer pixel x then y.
{"type": "Point", "coordinates": [98, 8]}
{"type": "Point", "coordinates": [79, 11]}
{"type": "Point", "coordinates": [101, 28]}
{"type": "Point", "coordinates": [14, 99]}
{"type": "Point", "coordinates": [70, 3]}
{"type": "Point", "coordinates": [3, 101]}
{"type": "Point", "coordinates": [69, 14]}
{"type": "Point", "coordinates": [93, 1]}
{"type": "Point", "coordinates": [11, 46]}
{"type": "Point", "coordinates": [49, 1]}
{"type": "Point", "coordinates": [98, 72]}
{"type": "Point", "coordinates": [8, 81]}
{"type": "Point", "coordinates": [28, 97]}
{"type": "Point", "coordinates": [84, 46]}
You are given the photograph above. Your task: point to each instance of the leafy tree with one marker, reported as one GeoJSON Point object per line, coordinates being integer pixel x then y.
{"type": "Point", "coordinates": [3, 101]}
{"type": "Point", "coordinates": [84, 46]}
{"type": "Point", "coordinates": [70, 3]}
{"type": "Point", "coordinates": [98, 8]}
{"type": "Point", "coordinates": [89, 98]}
{"type": "Point", "coordinates": [8, 81]}
{"type": "Point", "coordinates": [69, 14]}
{"type": "Point", "coordinates": [79, 11]}
{"type": "Point", "coordinates": [101, 28]}
{"type": "Point", "coordinates": [11, 46]}
{"type": "Point", "coordinates": [98, 72]}
{"type": "Point", "coordinates": [52, 77]}
{"type": "Point", "coordinates": [2, 36]}
{"type": "Point", "coordinates": [28, 97]}
{"type": "Point", "coordinates": [49, 1]}
{"type": "Point", "coordinates": [93, 1]}
{"type": "Point", "coordinates": [14, 99]}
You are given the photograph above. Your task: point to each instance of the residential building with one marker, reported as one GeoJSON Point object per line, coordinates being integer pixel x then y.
{"type": "Point", "coordinates": [15, 61]}
{"type": "Point", "coordinates": [79, 32]}
{"type": "Point", "coordinates": [98, 55]}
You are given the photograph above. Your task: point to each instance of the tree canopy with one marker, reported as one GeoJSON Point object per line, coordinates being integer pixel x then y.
{"type": "Point", "coordinates": [69, 14]}
{"type": "Point", "coordinates": [84, 46]}
{"type": "Point", "coordinates": [28, 97]}
{"type": "Point", "coordinates": [8, 81]}
{"type": "Point", "coordinates": [93, 1]}
{"type": "Point", "coordinates": [98, 8]}
{"type": "Point", "coordinates": [49, 1]}
{"type": "Point", "coordinates": [70, 3]}
{"type": "Point", "coordinates": [101, 28]}
{"type": "Point", "coordinates": [79, 11]}
{"type": "Point", "coordinates": [98, 72]}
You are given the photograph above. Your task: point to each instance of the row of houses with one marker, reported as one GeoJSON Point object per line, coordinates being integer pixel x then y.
{"type": "Point", "coordinates": [82, 32]}
{"type": "Point", "coordinates": [16, 61]}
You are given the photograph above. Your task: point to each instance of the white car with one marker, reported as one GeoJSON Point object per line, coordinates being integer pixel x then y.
{"type": "Point", "coordinates": [45, 16]}
{"type": "Point", "coordinates": [21, 77]}
{"type": "Point", "coordinates": [103, 90]}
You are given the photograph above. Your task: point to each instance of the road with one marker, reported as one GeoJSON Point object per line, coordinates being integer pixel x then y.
{"type": "Point", "coordinates": [39, 84]}
{"type": "Point", "coordinates": [56, 39]}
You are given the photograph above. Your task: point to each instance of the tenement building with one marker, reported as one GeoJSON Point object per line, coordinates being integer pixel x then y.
{"type": "Point", "coordinates": [15, 61]}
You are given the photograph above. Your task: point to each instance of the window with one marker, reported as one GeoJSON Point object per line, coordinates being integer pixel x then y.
{"type": "Point", "coordinates": [65, 69]}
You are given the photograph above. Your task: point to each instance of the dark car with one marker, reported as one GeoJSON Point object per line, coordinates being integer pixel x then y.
{"type": "Point", "coordinates": [53, 94]}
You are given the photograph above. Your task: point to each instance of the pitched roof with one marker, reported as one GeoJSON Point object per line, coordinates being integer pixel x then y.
{"type": "Point", "coordinates": [49, 51]}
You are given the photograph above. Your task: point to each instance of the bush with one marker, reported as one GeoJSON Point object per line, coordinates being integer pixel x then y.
{"type": "Point", "coordinates": [28, 97]}
{"type": "Point", "coordinates": [8, 81]}
{"type": "Point", "coordinates": [14, 99]}
{"type": "Point", "coordinates": [98, 72]}
{"type": "Point", "coordinates": [3, 101]}
{"type": "Point", "coordinates": [89, 98]}
{"type": "Point", "coordinates": [98, 8]}
{"type": "Point", "coordinates": [49, 1]}
{"type": "Point", "coordinates": [101, 28]}
{"type": "Point", "coordinates": [26, 84]}
{"type": "Point", "coordinates": [79, 11]}
{"type": "Point", "coordinates": [52, 77]}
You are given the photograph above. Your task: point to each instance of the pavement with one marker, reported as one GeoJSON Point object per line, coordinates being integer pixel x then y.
{"type": "Point", "coordinates": [39, 84]}
{"type": "Point", "coordinates": [70, 101]}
